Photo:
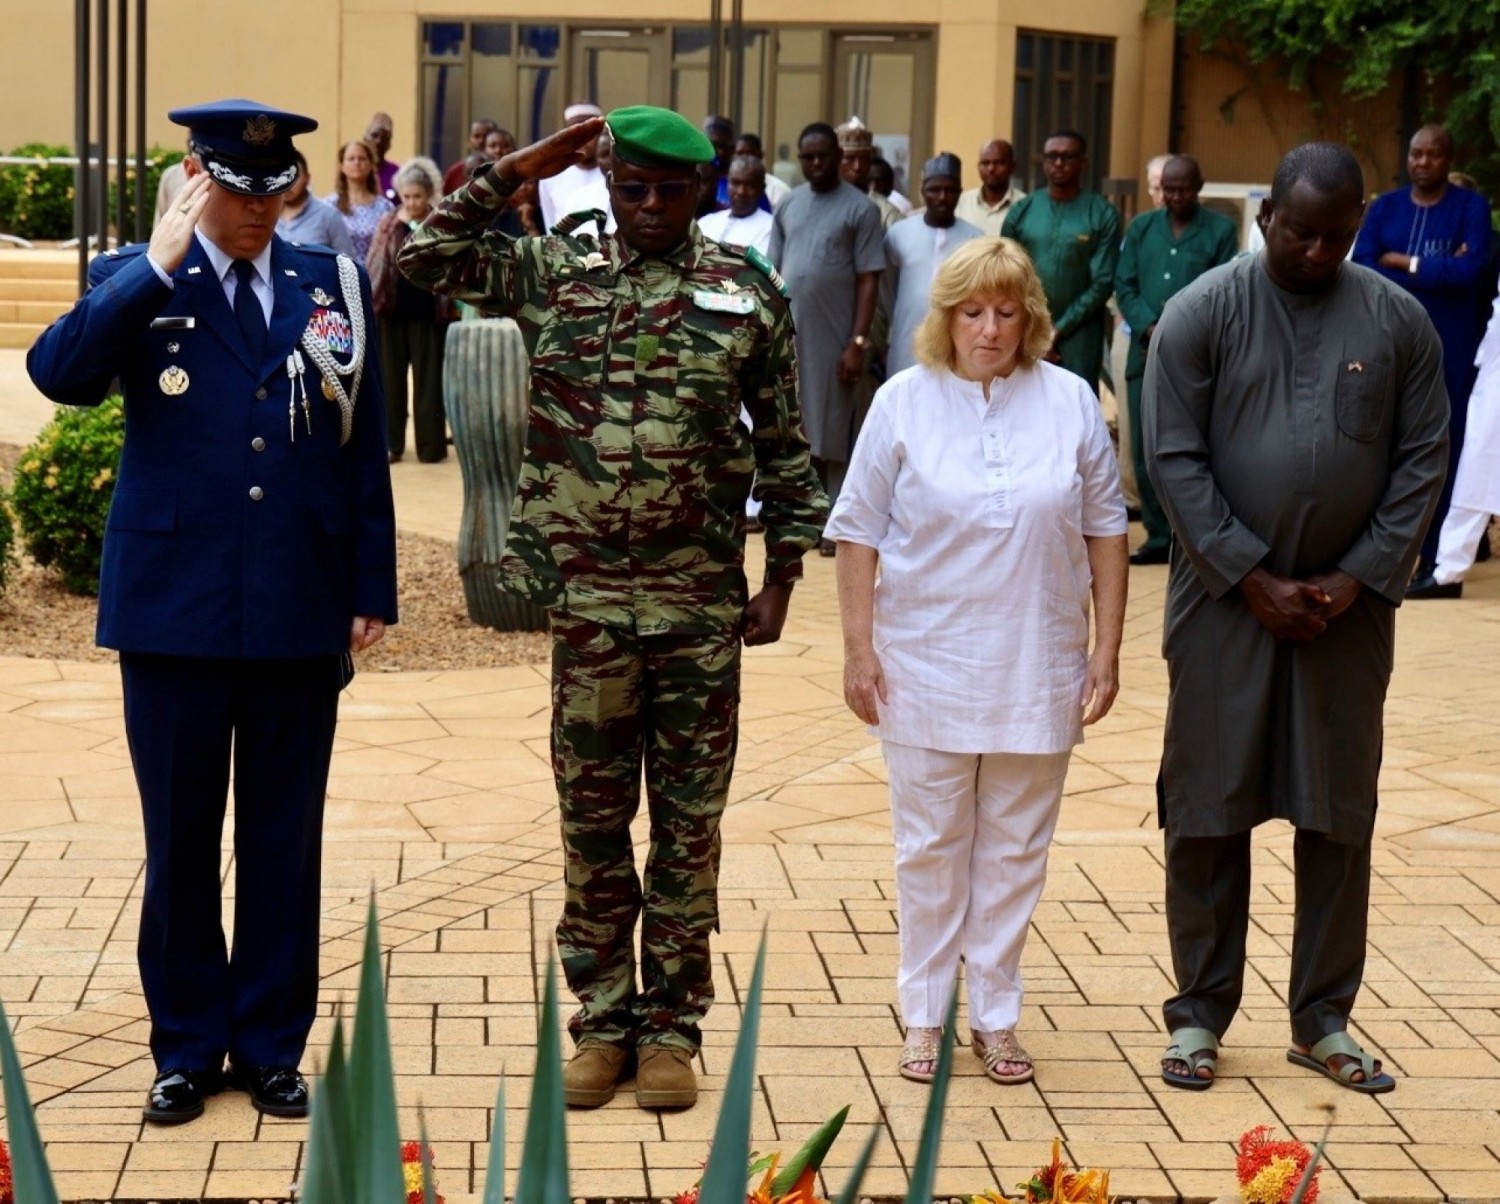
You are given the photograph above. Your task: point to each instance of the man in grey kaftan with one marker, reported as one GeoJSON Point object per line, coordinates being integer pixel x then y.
{"type": "Point", "coordinates": [826, 241]}
{"type": "Point", "coordinates": [1296, 433]}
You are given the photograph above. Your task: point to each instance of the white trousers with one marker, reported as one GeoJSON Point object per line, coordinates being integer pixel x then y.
{"type": "Point", "coordinates": [972, 832]}
{"type": "Point", "coordinates": [1458, 543]}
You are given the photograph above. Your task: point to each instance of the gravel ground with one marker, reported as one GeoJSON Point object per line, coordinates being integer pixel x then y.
{"type": "Point", "coordinates": [39, 618]}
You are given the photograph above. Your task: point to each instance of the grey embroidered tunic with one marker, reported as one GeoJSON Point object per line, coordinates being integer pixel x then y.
{"type": "Point", "coordinates": [1304, 433]}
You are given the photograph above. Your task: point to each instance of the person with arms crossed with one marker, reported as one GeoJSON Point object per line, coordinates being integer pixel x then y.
{"type": "Point", "coordinates": [1296, 436]}
{"type": "Point", "coordinates": [643, 346]}
{"type": "Point", "coordinates": [250, 550]}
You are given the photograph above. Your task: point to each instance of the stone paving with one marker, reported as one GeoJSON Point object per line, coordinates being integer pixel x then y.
{"type": "Point", "coordinates": [441, 802]}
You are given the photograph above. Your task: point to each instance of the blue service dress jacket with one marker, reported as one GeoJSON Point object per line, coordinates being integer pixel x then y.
{"type": "Point", "coordinates": [230, 534]}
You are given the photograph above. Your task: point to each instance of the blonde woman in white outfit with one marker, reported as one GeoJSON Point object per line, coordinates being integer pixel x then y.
{"type": "Point", "coordinates": [984, 487]}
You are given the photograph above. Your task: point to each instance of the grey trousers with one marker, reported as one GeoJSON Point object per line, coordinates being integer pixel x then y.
{"type": "Point", "coordinates": [1208, 915]}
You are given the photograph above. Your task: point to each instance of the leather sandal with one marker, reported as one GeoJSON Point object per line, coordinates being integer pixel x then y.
{"type": "Point", "coordinates": [1199, 1048]}
{"type": "Point", "coordinates": [1332, 1046]}
{"type": "Point", "coordinates": [1003, 1049]}
{"type": "Point", "coordinates": [921, 1046]}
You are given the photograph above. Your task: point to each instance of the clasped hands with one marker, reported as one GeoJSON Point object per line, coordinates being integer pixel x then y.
{"type": "Point", "coordinates": [1298, 610]}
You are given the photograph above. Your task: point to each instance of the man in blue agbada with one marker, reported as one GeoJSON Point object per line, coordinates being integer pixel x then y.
{"type": "Point", "coordinates": [250, 551]}
{"type": "Point", "coordinates": [1433, 239]}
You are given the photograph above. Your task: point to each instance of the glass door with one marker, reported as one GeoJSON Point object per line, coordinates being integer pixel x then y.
{"type": "Point", "coordinates": [615, 67]}
{"type": "Point", "coordinates": [886, 80]}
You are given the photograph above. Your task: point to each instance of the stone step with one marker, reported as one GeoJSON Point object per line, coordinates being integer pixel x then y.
{"type": "Point", "coordinates": [37, 288]}
{"type": "Point", "coordinates": [19, 335]}
{"type": "Point", "coordinates": [32, 312]}
{"type": "Point", "coordinates": [38, 265]}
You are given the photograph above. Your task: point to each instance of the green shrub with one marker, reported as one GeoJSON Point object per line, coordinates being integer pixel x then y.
{"type": "Point", "coordinates": [64, 482]}
{"type": "Point", "coordinates": [36, 201]}
{"type": "Point", "coordinates": [7, 542]}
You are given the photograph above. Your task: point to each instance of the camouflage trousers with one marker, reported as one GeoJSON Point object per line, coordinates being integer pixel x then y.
{"type": "Point", "coordinates": [670, 703]}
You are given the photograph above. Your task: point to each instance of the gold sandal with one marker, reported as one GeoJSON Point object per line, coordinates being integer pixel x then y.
{"type": "Point", "coordinates": [1005, 1048]}
{"type": "Point", "coordinates": [921, 1046]}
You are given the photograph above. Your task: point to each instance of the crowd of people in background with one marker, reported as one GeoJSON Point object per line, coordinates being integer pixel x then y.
{"type": "Point", "coordinates": [859, 287]}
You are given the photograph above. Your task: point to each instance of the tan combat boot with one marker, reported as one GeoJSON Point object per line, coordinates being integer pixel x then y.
{"type": "Point", "coordinates": [664, 1078]}
{"type": "Point", "coordinates": [590, 1076]}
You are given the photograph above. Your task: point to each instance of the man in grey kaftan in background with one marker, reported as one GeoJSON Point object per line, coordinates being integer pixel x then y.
{"type": "Point", "coordinates": [827, 242]}
{"type": "Point", "coordinates": [1296, 433]}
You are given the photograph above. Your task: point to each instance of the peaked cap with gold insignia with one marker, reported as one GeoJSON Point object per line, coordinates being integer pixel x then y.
{"type": "Point", "coordinates": [244, 145]}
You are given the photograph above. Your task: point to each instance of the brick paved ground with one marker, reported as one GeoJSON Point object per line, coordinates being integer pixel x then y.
{"type": "Point", "coordinates": [441, 799]}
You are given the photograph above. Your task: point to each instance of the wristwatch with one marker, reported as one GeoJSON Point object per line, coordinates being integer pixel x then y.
{"type": "Point", "coordinates": [860, 341]}
{"type": "Point", "coordinates": [1411, 264]}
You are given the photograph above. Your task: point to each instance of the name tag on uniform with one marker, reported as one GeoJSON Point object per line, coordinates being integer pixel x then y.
{"type": "Point", "coordinates": [173, 323]}
{"type": "Point", "coordinates": [724, 303]}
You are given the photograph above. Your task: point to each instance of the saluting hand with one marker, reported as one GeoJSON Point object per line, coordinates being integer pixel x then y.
{"type": "Point", "coordinates": [552, 154]}
{"type": "Point", "coordinates": [173, 236]}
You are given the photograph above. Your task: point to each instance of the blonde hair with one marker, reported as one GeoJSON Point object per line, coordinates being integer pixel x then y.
{"type": "Point", "coordinates": [984, 267]}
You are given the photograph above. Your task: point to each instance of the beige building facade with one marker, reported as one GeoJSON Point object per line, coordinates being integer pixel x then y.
{"type": "Point", "coordinates": [947, 75]}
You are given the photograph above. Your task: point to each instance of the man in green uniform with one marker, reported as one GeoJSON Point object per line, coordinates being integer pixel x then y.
{"type": "Point", "coordinates": [643, 345]}
{"type": "Point", "coordinates": [1073, 237]}
{"type": "Point", "coordinates": [1165, 250]}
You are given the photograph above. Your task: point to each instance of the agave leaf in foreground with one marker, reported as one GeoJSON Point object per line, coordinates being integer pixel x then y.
{"type": "Point", "coordinates": [329, 1154]}
{"type": "Point", "coordinates": [494, 1175]}
{"type": "Point", "coordinates": [543, 1175]}
{"type": "Point", "coordinates": [724, 1177]}
{"type": "Point", "coordinates": [31, 1177]}
{"type": "Point", "coordinates": [376, 1165]}
{"type": "Point", "coordinates": [924, 1170]}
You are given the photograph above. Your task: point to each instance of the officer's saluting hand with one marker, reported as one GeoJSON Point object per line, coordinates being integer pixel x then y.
{"type": "Point", "coordinates": [250, 549]}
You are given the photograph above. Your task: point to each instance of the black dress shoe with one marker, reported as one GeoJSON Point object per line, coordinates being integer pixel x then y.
{"type": "Point", "coordinates": [177, 1096]}
{"type": "Point", "coordinates": [1151, 554]}
{"type": "Point", "coordinates": [1427, 587]}
{"type": "Point", "coordinates": [274, 1090]}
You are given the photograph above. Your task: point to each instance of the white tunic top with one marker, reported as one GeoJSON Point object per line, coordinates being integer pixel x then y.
{"type": "Point", "coordinates": [1476, 486]}
{"type": "Point", "coordinates": [979, 512]}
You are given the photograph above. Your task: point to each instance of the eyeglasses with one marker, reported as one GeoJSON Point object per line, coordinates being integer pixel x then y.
{"type": "Point", "coordinates": [1061, 157]}
{"type": "Point", "coordinates": [666, 191]}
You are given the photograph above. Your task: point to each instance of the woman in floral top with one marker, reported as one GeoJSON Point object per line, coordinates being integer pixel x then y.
{"type": "Point", "coordinates": [357, 197]}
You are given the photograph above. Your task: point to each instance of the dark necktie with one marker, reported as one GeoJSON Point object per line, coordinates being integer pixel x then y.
{"type": "Point", "coordinates": [252, 317]}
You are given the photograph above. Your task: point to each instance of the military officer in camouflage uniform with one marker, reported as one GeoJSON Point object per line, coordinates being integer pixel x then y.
{"type": "Point", "coordinates": [643, 345]}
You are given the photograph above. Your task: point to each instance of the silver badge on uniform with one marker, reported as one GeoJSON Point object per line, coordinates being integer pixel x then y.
{"type": "Point", "coordinates": [173, 348]}
{"type": "Point", "coordinates": [174, 381]}
{"type": "Point", "coordinates": [321, 298]}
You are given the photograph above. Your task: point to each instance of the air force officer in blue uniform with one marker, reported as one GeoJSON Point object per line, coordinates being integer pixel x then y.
{"type": "Point", "coordinates": [250, 551]}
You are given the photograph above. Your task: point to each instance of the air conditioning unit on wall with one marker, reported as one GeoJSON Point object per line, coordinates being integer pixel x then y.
{"type": "Point", "coordinates": [1240, 203]}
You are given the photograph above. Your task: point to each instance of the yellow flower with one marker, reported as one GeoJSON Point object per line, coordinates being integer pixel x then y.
{"type": "Point", "coordinates": [1270, 1184]}
{"type": "Point", "coordinates": [103, 478]}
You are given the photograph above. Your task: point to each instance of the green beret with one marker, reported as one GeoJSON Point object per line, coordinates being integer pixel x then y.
{"type": "Point", "coordinates": [650, 137]}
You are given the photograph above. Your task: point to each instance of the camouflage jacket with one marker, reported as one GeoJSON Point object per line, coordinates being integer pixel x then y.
{"type": "Point", "coordinates": [631, 503]}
